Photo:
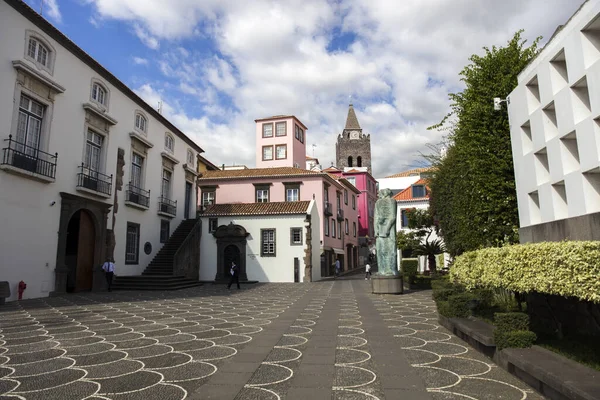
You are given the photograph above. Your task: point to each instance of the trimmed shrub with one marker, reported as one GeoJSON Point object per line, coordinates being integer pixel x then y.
{"type": "Point", "coordinates": [410, 266]}
{"type": "Point", "coordinates": [441, 282]}
{"type": "Point", "coordinates": [568, 268]}
{"type": "Point", "coordinates": [461, 304]}
{"type": "Point", "coordinates": [511, 321]}
{"type": "Point", "coordinates": [444, 308]}
{"type": "Point", "coordinates": [443, 294]}
{"type": "Point", "coordinates": [514, 339]}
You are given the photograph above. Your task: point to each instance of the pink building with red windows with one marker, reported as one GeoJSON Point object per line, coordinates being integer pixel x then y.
{"type": "Point", "coordinates": [281, 177]}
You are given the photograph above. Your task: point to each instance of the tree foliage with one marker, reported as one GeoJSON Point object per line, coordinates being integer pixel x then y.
{"type": "Point", "coordinates": [417, 240]}
{"type": "Point", "coordinates": [473, 187]}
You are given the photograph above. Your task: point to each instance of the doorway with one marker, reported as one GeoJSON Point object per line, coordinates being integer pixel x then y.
{"type": "Point", "coordinates": [230, 254]}
{"type": "Point", "coordinates": [79, 252]}
{"type": "Point", "coordinates": [296, 270]}
{"type": "Point", "coordinates": [188, 200]}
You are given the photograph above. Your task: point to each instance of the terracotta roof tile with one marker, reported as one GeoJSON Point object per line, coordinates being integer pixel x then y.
{"type": "Point", "coordinates": [279, 208]}
{"type": "Point", "coordinates": [406, 194]}
{"type": "Point", "coordinates": [257, 172]}
{"type": "Point", "coordinates": [416, 171]}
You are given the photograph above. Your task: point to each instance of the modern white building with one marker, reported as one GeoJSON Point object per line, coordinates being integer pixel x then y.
{"type": "Point", "coordinates": [554, 117]}
{"type": "Point", "coordinates": [86, 164]}
{"type": "Point", "coordinates": [402, 180]}
{"type": "Point", "coordinates": [270, 242]}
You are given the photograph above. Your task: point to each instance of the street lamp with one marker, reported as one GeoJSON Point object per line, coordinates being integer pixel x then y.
{"type": "Point", "coordinates": [498, 101]}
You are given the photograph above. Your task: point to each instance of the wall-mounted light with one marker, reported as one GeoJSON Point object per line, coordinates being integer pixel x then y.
{"type": "Point", "coordinates": [52, 203]}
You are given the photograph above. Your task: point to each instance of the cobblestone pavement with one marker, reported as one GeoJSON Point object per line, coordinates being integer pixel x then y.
{"type": "Point", "coordinates": [325, 340]}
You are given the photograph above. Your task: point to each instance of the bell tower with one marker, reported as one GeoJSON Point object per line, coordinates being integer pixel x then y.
{"type": "Point", "coordinates": [353, 147]}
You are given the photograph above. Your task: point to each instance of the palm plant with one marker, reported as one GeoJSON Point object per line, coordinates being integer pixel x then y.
{"type": "Point", "coordinates": [430, 249]}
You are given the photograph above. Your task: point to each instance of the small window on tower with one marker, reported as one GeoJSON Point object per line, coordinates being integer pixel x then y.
{"type": "Point", "coordinates": [359, 161]}
{"type": "Point", "coordinates": [350, 161]}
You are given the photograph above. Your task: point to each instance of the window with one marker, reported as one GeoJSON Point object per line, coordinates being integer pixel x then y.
{"type": "Point", "coordinates": [38, 52]}
{"type": "Point", "coordinates": [347, 230]}
{"type": "Point", "coordinates": [267, 130]}
{"type": "Point", "coordinates": [132, 244]}
{"type": "Point", "coordinates": [404, 217]}
{"type": "Point", "coordinates": [280, 129]}
{"type": "Point", "coordinates": [345, 197]}
{"type": "Point", "coordinates": [29, 126]}
{"type": "Point", "coordinates": [295, 236]}
{"type": "Point", "coordinates": [267, 153]}
{"type": "Point", "coordinates": [326, 193]}
{"type": "Point", "coordinates": [165, 228]}
{"type": "Point", "coordinates": [262, 195]}
{"type": "Point", "coordinates": [99, 93]}
{"type": "Point", "coordinates": [190, 158]}
{"type": "Point", "coordinates": [165, 190]}
{"type": "Point", "coordinates": [137, 164]}
{"type": "Point", "coordinates": [350, 161]}
{"type": "Point", "coordinates": [339, 200]}
{"type": "Point", "coordinates": [299, 134]}
{"type": "Point", "coordinates": [141, 123]}
{"type": "Point", "coordinates": [93, 151]}
{"type": "Point", "coordinates": [169, 143]}
{"type": "Point", "coordinates": [267, 242]}
{"type": "Point", "coordinates": [353, 202]}
{"type": "Point", "coordinates": [339, 229]}
{"type": "Point", "coordinates": [292, 194]}
{"type": "Point", "coordinates": [326, 227]}
{"type": "Point", "coordinates": [418, 191]}
{"type": "Point", "coordinates": [354, 229]}
{"type": "Point", "coordinates": [281, 151]}
{"type": "Point", "coordinates": [352, 180]}
{"type": "Point", "coordinates": [213, 224]}
{"type": "Point", "coordinates": [208, 197]}
{"type": "Point", "coordinates": [359, 161]}
{"type": "Point", "coordinates": [332, 228]}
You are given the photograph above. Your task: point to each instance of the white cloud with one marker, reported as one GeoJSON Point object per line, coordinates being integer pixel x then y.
{"type": "Point", "coordinates": [271, 59]}
{"type": "Point", "coordinates": [140, 61]}
{"type": "Point", "coordinates": [50, 8]}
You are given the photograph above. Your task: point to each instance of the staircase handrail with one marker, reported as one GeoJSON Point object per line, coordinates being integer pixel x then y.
{"type": "Point", "coordinates": [195, 229]}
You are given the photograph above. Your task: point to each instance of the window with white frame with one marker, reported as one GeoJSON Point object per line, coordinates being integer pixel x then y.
{"type": "Point", "coordinates": [295, 236]}
{"type": "Point", "coordinates": [38, 51]}
{"type": "Point", "coordinates": [165, 190]}
{"type": "Point", "coordinates": [267, 130]}
{"type": "Point", "coordinates": [99, 93]}
{"type": "Point", "coordinates": [132, 243]}
{"type": "Point", "coordinates": [292, 193]}
{"type": "Point", "coordinates": [281, 151]}
{"type": "Point", "coordinates": [93, 151]}
{"type": "Point", "coordinates": [141, 123]}
{"type": "Point", "coordinates": [208, 197]}
{"type": "Point", "coordinates": [347, 227]}
{"type": "Point", "coordinates": [267, 153]}
{"type": "Point", "coordinates": [262, 195]}
{"type": "Point", "coordinates": [352, 180]}
{"type": "Point", "coordinates": [169, 143]}
{"type": "Point", "coordinates": [137, 167]}
{"type": "Point", "coordinates": [213, 224]}
{"type": "Point", "coordinates": [418, 191]}
{"type": "Point", "coordinates": [267, 242]}
{"type": "Point", "coordinates": [280, 129]}
{"type": "Point", "coordinates": [345, 197]}
{"type": "Point", "coordinates": [339, 229]}
{"type": "Point", "coordinates": [326, 227]}
{"type": "Point", "coordinates": [29, 126]}
{"type": "Point", "coordinates": [332, 228]}
{"type": "Point", "coordinates": [190, 158]}
{"type": "Point", "coordinates": [354, 229]}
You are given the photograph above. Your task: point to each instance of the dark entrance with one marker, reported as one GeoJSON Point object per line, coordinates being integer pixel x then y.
{"type": "Point", "coordinates": [296, 270]}
{"type": "Point", "coordinates": [231, 246]}
{"type": "Point", "coordinates": [349, 257]}
{"type": "Point", "coordinates": [79, 253]}
{"type": "Point", "coordinates": [188, 199]}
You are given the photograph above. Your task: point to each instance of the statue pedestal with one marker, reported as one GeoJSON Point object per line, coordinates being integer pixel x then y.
{"type": "Point", "coordinates": [387, 284]}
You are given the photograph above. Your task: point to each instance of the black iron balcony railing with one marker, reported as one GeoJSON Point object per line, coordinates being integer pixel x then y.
{"type": "Point", "coordinates": [27, 158]}
{"type": "Point", "coordinates": [167, 206]}
{"type": "Point", "coordinates": [340, 214]}
{"type": "Point", "coordinates": [94, 180]}
{"type": "Point", "coordinates": [327, 209]}
{"type": "Point", "coordinates": [137, 195]}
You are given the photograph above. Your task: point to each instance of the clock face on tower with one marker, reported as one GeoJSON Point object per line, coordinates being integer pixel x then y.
{"type": "Point", "coordinates": [354, 135]}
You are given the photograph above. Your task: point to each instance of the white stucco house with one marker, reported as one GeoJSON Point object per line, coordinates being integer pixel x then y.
{"type": "Point", "coordinates": [83, 158]}
{"type": "Point", "coordinates": [401, 180]}
{"type": "Point", "coordinates": [270, 242]}
{"type": "Point", "coordinates": [554, 115]}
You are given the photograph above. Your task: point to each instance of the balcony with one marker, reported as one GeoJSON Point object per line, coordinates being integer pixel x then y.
{"type": "Point", "coordinates": [137, 197]}
{"type": "Point", "coordinates": [327, 209]}
{"type": "Point", "coordinates": [340, 214]}
{"type": "Point", "coordinates": [94, 182]}
{"type": "Point", "coordinates": [28, 161]}
{"type": "Point", "coordinates": [167, 207]}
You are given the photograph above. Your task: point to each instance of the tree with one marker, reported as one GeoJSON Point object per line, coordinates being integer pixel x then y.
{"type": "Point", "coordinates": [472, 187]}
{"type": "Point", "coordinates": [417, 240]}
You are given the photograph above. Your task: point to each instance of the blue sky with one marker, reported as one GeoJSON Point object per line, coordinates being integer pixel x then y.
{"type": "Point", "coordinates": [217, 65]}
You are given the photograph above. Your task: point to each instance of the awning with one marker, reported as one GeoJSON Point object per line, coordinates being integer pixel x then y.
{"type": "Point", "coordinates": [338, 251]}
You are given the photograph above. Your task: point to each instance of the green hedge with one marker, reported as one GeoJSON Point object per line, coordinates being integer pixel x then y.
{"type": "Point", "coordinates": [443, 294]}
{"type": "Point", "coordinates": [410, 266]}
{"type": "Point", "coordinates": [461, 304]}
{"type": "Point", "coordinates": [441, 282]}
{"type": "Point", "coordinates": [514, 339]}
{"type": "Point", "coordinates": [569, 268]}
{"type": "Point", "coordinates": [511, 321]}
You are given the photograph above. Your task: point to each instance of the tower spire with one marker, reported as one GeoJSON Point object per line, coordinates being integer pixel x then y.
{"type": "Point", "coordinates": [351, 120]}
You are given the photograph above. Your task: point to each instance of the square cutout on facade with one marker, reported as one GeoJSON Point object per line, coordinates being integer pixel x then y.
{"type": "Point", "coordinates": [559, 74]}
{"type": "Point", "coordinates": [581, 100]}
{"type": "Point", "coordinates": [591, 41]}
{"type": "Point", "coordinates": [542, 168]}
{"type": "Point", "coordinates": [550, 122]}
{"type": "Point", "coordinates": [534, 208]}
{"type": "Point", "coordinates": [569, 152]}
{"type": "Point", "coordinates": [526, 138]}
{"type": "Point", "coordinates": [559, 200]}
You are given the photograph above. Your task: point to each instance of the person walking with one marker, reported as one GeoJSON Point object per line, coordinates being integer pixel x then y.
{"type": "Point", "coordinates": [109, 271]}
{"type": "Point", "coordinates": [337, 267]}
{"type": "Point", "coordinates": [367, 272]}
{"type": "Point", "coordinates": [235, 275]}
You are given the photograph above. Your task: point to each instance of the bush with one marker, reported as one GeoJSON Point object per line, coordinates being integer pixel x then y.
{"type": "Point", "coordinates": [511, 321]}
{"type": "Point", "coordinates": [568, 268]}
{"type": "Point", "coordinates": [410, 266]}
{"type": "Point", "coordinates": [441, 282]}
{"type": "Point", "coordinates": [444, 308]}
{"type": "Point", "coordinates": [443, 294]}
{"type": "Point", "coordinates": [514, 339]}
{"type": "Point", "coordinates": [461, 304]}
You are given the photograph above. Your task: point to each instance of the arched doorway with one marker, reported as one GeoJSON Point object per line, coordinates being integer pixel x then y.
{"type": "Point", "coordinates": [79, 251]}
{"type": "Point", "coordinates": [359, 161]}
{"type": "Point", "coordinates": [231, 246]}
{"type": "Point", "coordinates": [350, 161]}
{"type": "Point", "coordinates": [231, 254]}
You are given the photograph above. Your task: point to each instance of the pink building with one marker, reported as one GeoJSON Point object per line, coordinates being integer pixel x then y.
{"type": "Point", "coordinates": [278, 179]}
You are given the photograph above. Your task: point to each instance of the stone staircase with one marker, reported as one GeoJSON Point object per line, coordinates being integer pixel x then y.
{"type": "Point", "coordinates": [158, 275]}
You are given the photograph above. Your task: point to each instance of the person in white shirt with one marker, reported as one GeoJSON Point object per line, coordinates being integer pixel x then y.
{"type": "Point", "coordinates": [367, 272]}
{"type": "Point", "coordinates": [109, 271]}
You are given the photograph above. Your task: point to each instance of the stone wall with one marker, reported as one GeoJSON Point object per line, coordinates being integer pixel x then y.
{"type": "Point", "coordinates": [585, 227]}
{"type": "Point", "coordinates": [346, 147]}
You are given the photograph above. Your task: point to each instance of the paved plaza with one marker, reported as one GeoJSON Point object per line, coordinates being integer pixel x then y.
{"type": "Point", "coordinates": [324, 340]}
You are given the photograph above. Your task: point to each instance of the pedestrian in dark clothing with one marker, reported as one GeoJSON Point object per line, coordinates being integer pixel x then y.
{"type": "Point", "coordinates": [235, 275]}
{"type": "Point", "coordinates": [109, 271]}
